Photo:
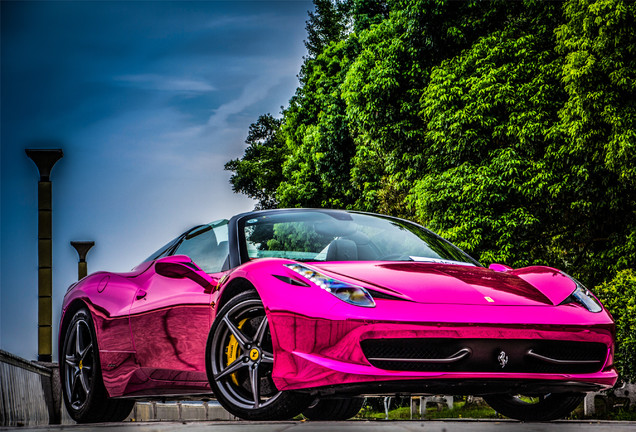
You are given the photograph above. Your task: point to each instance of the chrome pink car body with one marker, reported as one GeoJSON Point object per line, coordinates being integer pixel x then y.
{"type": "Point", "coordinates": [152, 330]}
{"type": "Point", "coordinates": [317, 337]}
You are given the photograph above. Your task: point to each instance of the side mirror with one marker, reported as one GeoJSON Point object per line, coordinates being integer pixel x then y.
{"type": "Point", "coordinates": [499, 267]}
{"type": "Point", "coordinates": [180, 267]}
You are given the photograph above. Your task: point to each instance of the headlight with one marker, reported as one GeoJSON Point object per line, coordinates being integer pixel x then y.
{"type": "Point", "coordinates": [582, 296]}
{"type": "Point", "coordinates": [349, 293]}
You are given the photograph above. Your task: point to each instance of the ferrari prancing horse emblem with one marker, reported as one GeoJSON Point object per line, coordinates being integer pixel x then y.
{"type": "Point", "coordinates": [254, 354]}
{"type": "Point", "coordinates": [503, 359]}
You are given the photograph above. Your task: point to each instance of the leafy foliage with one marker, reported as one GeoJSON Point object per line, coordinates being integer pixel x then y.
{"type": "Point", "coordinates": [619, 297]}
{"type": "Point", "coordinates": [599, 44]}
{"type": "Point", "coordinates": [596, 151]}
{"type": "Point", "coordinates": [488, 117]}
{"type": "Point", "coordinates": [258, 173]}
{"type": "Point", "coordinates": [295, 236]}
{"type": "Point", "coordinates": [507, 127]}
{"type": "Point", "coordinates": [326, 24]}
{"type": "Point", "coordinates": [319, 146]}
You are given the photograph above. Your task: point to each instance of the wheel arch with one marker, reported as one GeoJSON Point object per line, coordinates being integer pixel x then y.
{"type": "Point", "coordinates": [68, 315]}
{"type": "Point", "coordinates": [235, 287]}
{"type": "Point", "coordinates": [281, 404]}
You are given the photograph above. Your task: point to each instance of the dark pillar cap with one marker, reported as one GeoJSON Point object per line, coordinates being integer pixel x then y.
{"type": "Point", "coordinates": [44, 159]}
{"type": "Point", "coordinates": [82, 248]}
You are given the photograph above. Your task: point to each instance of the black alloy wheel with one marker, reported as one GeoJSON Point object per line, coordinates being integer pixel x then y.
{"type": "Point", "coordinates": [551, 406]}
{"type": "Point", "coordinates": [240, 360]}
{"type": "Point", "coordinates": [84, 393]}
{"type": "Point", "coordinates": [79, 364]}
{"type": "Point", "coordinates": [336, 409]}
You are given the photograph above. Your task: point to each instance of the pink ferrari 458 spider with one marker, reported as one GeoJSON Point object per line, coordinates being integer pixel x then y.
{"type": "Point", "coordinates": [281, 312]}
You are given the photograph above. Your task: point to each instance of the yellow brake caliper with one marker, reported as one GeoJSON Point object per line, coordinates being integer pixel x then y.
{"type": "Point", "coordinates": [232, 351]}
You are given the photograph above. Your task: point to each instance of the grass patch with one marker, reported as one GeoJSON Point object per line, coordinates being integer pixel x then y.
{"type": "Point", "coordinates": [460, 410]}
{"type": "Point", "coordinates": [481, 410]}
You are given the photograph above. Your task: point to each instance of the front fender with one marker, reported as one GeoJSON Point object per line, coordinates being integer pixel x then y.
{"type": "Point", "coordinates": [555, 285]}
{"type": "Point", "coordinates": [278, 295]}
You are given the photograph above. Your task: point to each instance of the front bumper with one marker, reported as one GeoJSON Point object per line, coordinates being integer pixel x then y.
{"type": "Point", "coordinates": [324, 355]}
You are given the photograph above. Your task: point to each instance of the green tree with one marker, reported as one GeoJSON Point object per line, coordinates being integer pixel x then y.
{"type": "Point", "coordinates": [619, 297]}
{"type": "Point", "coordinates": [598, 127]}
{"type": "Point", "coordinates": [488, 115]}
{"type": "Point", "coordinates": [259, 172]}
{"type": "Point", "coordinates": [365, 13]}
{"type": "Point", "coordinates": [328, 23]}
{"type": "Point", "coordinates": [507, 127]}
{"type": "Point", "coordinates": [599, 44]}
{"type": "Point", "coordinates": [318, 142]}
{"type": "Point", "coordinates": [383, 90]}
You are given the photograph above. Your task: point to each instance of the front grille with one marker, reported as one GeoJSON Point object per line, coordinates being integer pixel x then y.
{"type": "Point", "coordinates": [485, 355]}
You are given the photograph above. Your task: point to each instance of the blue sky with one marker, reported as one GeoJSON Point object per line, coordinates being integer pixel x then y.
{"type": "Point", "coordinates": [148, 100]}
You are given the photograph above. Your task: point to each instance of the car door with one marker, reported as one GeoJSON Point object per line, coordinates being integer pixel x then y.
{"type": "Point", "coordinates": [171, 314]}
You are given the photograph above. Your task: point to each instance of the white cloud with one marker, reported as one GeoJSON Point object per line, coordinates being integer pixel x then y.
{"type": "Point", "coordinates": [234, 21]}
{"type": "Point", "coordinates": [253, 92]}
{"type": "Point", "coordinates": [165, 83]}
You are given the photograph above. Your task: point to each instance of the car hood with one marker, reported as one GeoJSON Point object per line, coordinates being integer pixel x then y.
{"type": "Point", "coordinates": [440, 283]}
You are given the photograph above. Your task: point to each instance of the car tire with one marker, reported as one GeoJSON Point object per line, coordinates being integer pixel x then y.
{"type": "Point", "coordinates": [334, 409]}
{"type": "Point", "coordinates": [552, 406]}
{"type": "Point", "coordinates": [240, 360]}
{"type": "Point", "coordinates": [85, 396]}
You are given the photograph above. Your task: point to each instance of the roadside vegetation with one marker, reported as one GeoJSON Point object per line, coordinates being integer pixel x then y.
{"type": "Point", "coordinates": [476, 408]}
{"type": "Point", "coordinates": [402, 411]}
{"type": "Point", "coordinates": [508, 127]}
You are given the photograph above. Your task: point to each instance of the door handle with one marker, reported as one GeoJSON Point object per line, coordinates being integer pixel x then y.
{"type": "Point", "coordinates": [141, 294]}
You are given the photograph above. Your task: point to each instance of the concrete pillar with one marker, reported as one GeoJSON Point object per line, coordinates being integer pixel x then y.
{"type": "Point", "coordinates": [44, 160]}
{"type": "Point", "coordinates": [588, 404]}
{"type": "Point", "coordinates": [82, 248]}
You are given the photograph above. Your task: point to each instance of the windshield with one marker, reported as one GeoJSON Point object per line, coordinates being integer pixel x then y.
{"type": "Point", "coordinates": [342, 236]}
